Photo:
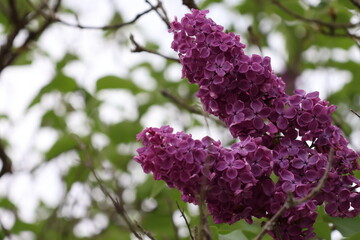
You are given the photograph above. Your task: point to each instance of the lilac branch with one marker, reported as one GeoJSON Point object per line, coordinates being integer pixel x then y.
{"type": "Point", "coordinates": [139, 48]}
{"type": "Point", "coordinates": [291, 202]}
{"type": "Point", "coordinates": [186, 221]}
{"type": "Point", "coordinates": [190, 4]}
{"type": "Point", "coordinates": [52, 17]}
{"type": "Point", "coordinates": [316, 21]}
{"type": "Point", "coordinates": [358, 115]}
{"type": "Point", "coordinates": [162, 15]}
{"type": "Point", "coordinates": [182, 104]}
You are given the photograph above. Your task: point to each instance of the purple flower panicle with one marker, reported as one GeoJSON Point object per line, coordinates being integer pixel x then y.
{"type": "Point", "coordinates": [288, 136]}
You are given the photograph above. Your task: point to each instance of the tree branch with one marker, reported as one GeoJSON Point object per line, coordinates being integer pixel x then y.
{"type": "Point", "coordinates": [316, 21]}
{"type": "Point", "coordinates": [356, 3]}
{"type": "Point", "coordinates": [52, 17]}
{"type": "Point", "coordinates": [6, 161]}
{"type": "Point", "coordinates": [190, 4]}
{"type": "Point", "coordinates": [291, 202]}
{"type": "Point", "coordinates": [358, 115]}
{"type": "Point", "coordinates": [186, 221]}
{"type": "Point", "coordinates": [163, 16]}
{"type": "Point", "coordinates": [139, 48]}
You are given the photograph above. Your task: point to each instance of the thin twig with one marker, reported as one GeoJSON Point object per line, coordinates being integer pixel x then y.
{"type": "Point", "coordinates": [291, 202]}
{"type": "Point", "coordinates": [163, 16]}
{"type": "Point", "coordinates": [118, 203]}
{"type": "Point", "coordinates": [358, 115]}
{"type": "Point", "coordinates": [6, 161]}
{"type": "Point", "coordinates": [186, 221]}
{"type": "Point", "coordinates": [5, 230]}
{"type": "Point", "coordinates": [52, 16]}
{"type": "Point", "coordinates": [356, 3]}
{"type": "Point", "coordinates": [190, 4]}
{"type": "Point", "coordinates": [171, 211]}
{"type": "Point", "coordinates": [139, 48]}
{"type": "Point", "coordinates": [182, 104]}
{"type": "Point", "coordinates": [118, 206]}
{"type": "Point", "coordinates": [316, 21]}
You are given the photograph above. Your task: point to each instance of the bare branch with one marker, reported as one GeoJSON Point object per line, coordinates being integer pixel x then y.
{"type": "Point", "coordinates": [139, 48]}
{"type": "Point", "coordinates": [356, 3]}
{"type": "Point", "coordinates": [190, 4]}
{"type": "Point", "coordinates": [162, 15]}
{"type": "Point", "coordinates": [118, 206]}
{"type": "Point", "coordinates": [171, 211]}
{"type": "Point", "coordinates": [52, 17]}
{"type": "Point", "coordinates": [291, 202]}
{"type": "Point", "coordinates": [182, 104]}
{"type": "Point", "coordinates": [186, 221]}
{"type": "Point", "coordinates": [316, 21]}
{"type": "Point", "coordinates": [358, 115]}
{"type": "Point", "coordinates": [6, 161]}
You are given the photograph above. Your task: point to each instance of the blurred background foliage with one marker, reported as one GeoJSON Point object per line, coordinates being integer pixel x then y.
{"type": "Point", "coordinates": [92, 139]}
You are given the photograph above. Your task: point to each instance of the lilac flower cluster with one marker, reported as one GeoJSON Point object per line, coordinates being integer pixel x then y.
{"type": "Point", "coordinates": [286, 137]}
{"type": "Point", "coordinates": [236, 179]}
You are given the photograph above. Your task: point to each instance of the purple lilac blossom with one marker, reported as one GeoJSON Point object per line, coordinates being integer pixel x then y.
{"type": "Point", "coordinates": [289, 136]}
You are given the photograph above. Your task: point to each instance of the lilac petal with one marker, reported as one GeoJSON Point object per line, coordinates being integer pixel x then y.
{"type": "Point", "coordinates": [290, 113]}
{"type": "Point", "coordinates": [282, 123]}
{"type": "Point", "coordinates": [313, 95]}
{"type": "Point", "coordinates": [311, 175]}
{"type": "Point", "coordinates": [323, 118]}
{"type": "Point", "coordinates": [331, 208]}
{"type": "Point", "coordinates": [246, 177]}
{"type": "Point", "coordinates": [243, 68]}
{"type": "Point", "coordinates": [220, 72]}
{"type": "Point", "coordinates": [244, 85]}
{"type": "Point", "coordinates": [306, 117]}
{"type": "Point", "coordinates": [256, 58]}
{"type": "Point", "coordinates": [287, 186]}
{"type": "Point", "coordinates": [220, 59]}
{"type": "Point", "coordinates": [268, 187]}
{"type": "Point", "coordinates": [297, 163]}
{"type": "Point", "coordinates": [227, 66]}
{"type": "Point", "coordinates": [258, 123]}
{"type": "Point", "coordinates": [256, 106]}
{"type": "Point", "coordinates": [231, 173]}
{"type": "Point", "coordinates": [286, 175]}
{"type": "Point", "coordinates": [250, 147]}
{"type": "Point", "coordinates": [313, 125]}
{"type": "Point", "coordinates": [256, 67]}
{"type": "Point", "coordinates": [238, 164]}
{"type": "Point", "coordinates": [221, 166]}
{"type": "Point", "coordinates": [265, 112]}
{"type": "Point", "coordinates": [307, 104]}
{"type": "Point", "coordinates": [313, 159]}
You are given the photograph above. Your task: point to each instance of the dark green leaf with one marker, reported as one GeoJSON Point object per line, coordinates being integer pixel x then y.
{"type": "Point", "coordinates": [124, 132]}
{"type": "Point", "coordinates": [235, 235]}
{"type": "Point", "coordinates": [60, 83]}
{"type": "Point", "coordinates": [347, 226]}
{"type": "Point", "coordinates": [68, 57]}
{"type": "Point", "coordinates": [62, 145]}
{"type": "Point", "coordinates": [113, 82]}
{"type": "Point", "coordinates": [51, 119]}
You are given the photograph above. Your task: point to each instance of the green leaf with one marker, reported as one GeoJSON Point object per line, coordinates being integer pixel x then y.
{"type": "Point", "coordinates": [51, 119]}
{"type": "Point", "coordinates": [235, 235]}
{"type": "Point", "coordinates": [321, 226]}
{"type": "Point", "coordinates": [113, 82]}
{"type": "Point", "coordinates": [60, 83]}
{"type": "Point", "coordinates": [157, 187]}
{"type": "Point", "coordinates": [68, 57]}
{"type": "Point", "coordinates": [124, 132]}
{"type": "Point", "coordinates": [7, 204]}
{"type": "Point", "coordinates": [62, 145]}
{"type": "Point", "coordinates": [347, 226]}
